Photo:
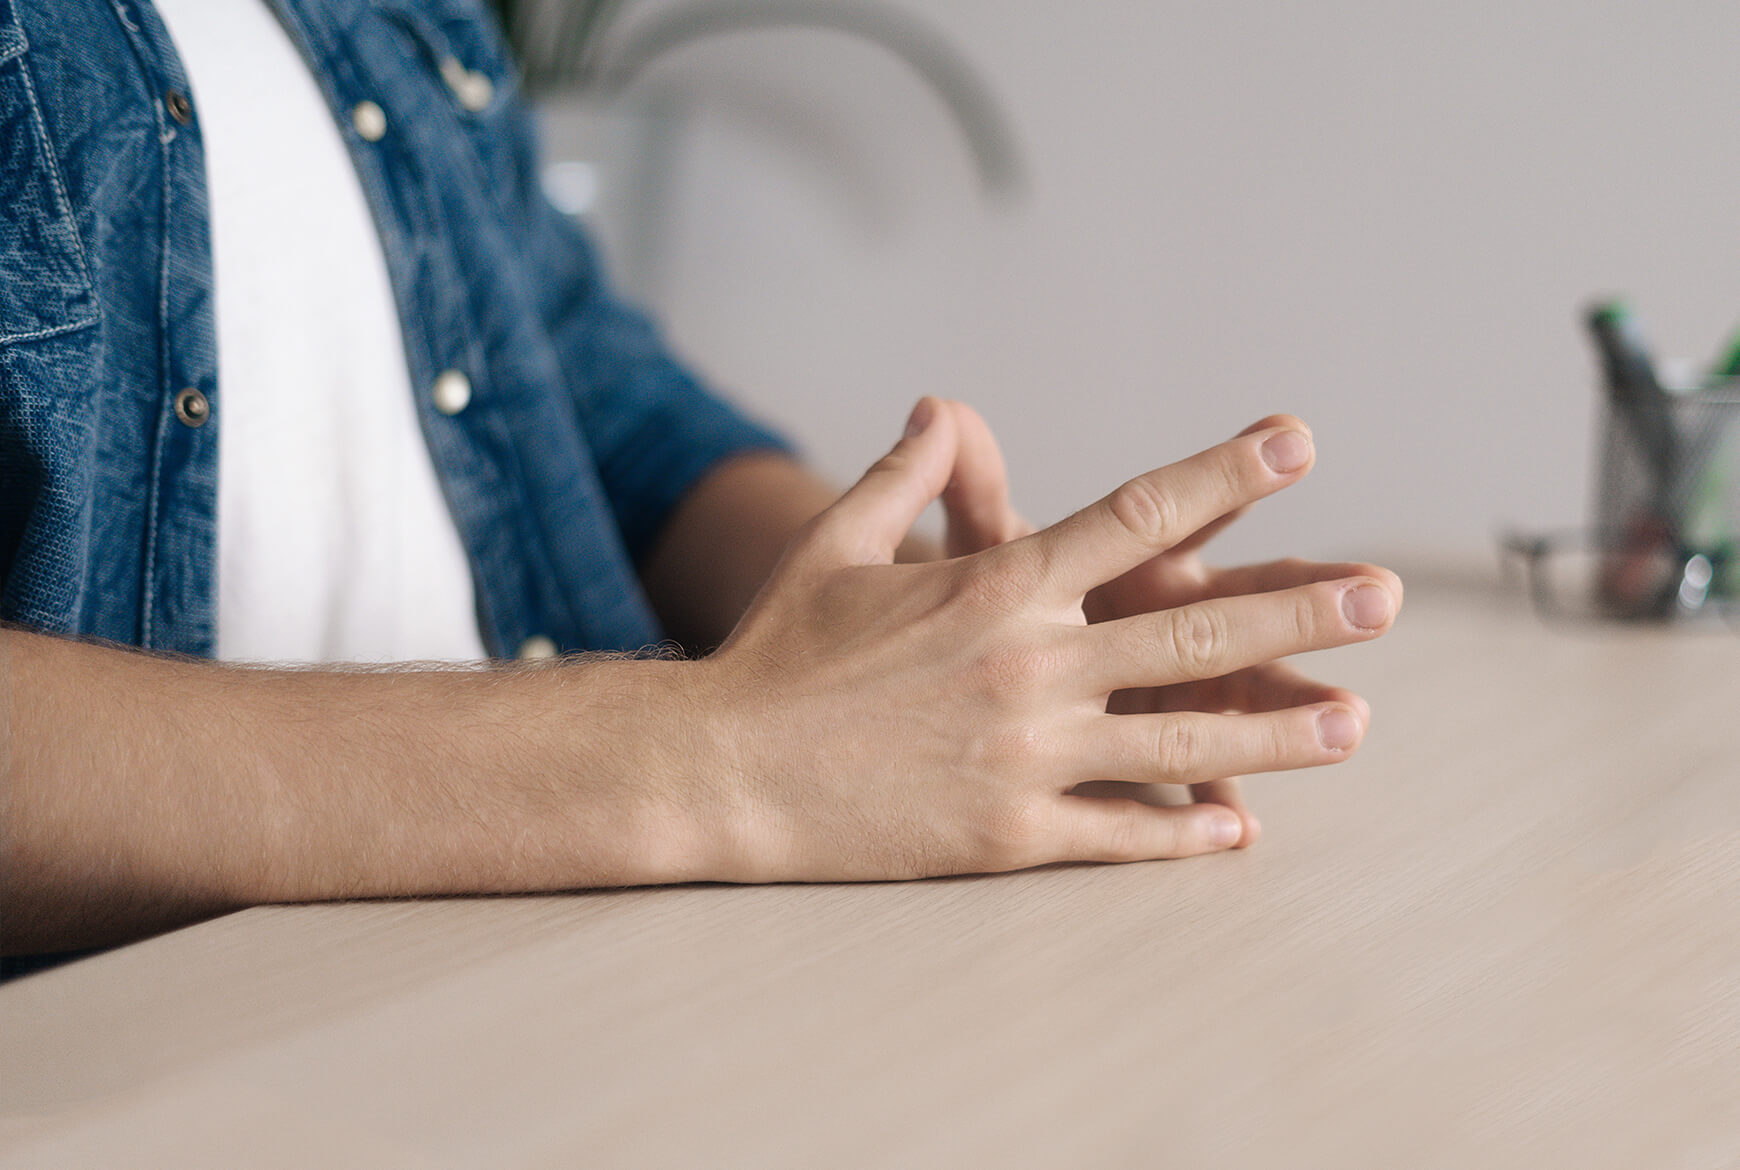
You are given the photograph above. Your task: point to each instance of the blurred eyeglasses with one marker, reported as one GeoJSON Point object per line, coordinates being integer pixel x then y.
{"type": "Point", "coordinates": [1633, 576]}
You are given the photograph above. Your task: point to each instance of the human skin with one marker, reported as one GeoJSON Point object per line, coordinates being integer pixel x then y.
{"type": "Point", "coordinates": [742, 517]}
{"type": "Point", "coordinates": [864, 720]}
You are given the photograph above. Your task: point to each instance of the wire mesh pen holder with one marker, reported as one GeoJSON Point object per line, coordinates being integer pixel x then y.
{"type": "Point", "coordinates": [1665, 544]}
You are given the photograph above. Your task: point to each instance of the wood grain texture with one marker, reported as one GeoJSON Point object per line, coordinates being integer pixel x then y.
{"type": "Point", "coordinates": [1506, 934]}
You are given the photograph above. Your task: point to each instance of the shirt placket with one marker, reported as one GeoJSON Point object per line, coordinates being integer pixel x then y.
{"type": "Point", "coordinates": [177, 592]}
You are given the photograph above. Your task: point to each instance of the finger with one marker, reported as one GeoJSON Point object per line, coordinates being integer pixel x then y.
{"type": "Point", "coordinates": [976, 500]}
{"type": "Point", "coordinates": [1228, 794]}
{"type": "Point", "coordinates": [1153, 512]}
{"type": "Point", "coordinates": [1274, 686]}
{"type": "Point", "coordinates": [1213, 528]}
{"type": "Point", "coordinates": [1190, 747]}
{"type": "Point", "coordinates": [1097, 828]}
{"type": "Point", "coordinates": [1269, 686]}
{"type": "Point", "coordinates": [1285, 574]}
{"type": "Point", "coordinates": [868, 523]}
{"type": "Point", "coordinates": [1211, 638]}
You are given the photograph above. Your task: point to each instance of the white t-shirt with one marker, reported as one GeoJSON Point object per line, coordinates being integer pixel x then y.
{"type": "Point", "coordinates": [334, 540]}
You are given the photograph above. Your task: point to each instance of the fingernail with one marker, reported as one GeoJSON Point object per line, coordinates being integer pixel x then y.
{"type": "Point", "coordinates": [1287, 451]}
{"type": "Point", "coordinates": [1366, 606]}
{"type": "Point", "coordinates": [1337, 729]}
{"type": "Point", "coordinates": [1225, 830]}
{"type": "Point", "coordinates": [920, 419]}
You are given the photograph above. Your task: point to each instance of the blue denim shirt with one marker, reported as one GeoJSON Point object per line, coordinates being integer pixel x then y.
{"type": "Point", "coordinates": [581, 433]}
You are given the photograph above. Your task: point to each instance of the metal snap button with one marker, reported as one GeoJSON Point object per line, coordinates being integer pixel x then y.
{"type": "Point", "coordinates": [370, 121]}
{"type": "Point", "coordinates": [178, 106]}
{"type": "Point", "coordinates": [474, 90]}
{"type": "Point", "coordinates": [537, 646]}
{"type": "Point", "coordinates": [452, 392]}
{"type": "Point", "coordinates": [192, 407]}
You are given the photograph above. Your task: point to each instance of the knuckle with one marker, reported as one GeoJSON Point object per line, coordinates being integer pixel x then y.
{"type": "Point", "coordinates": [1016, 671]}
{"type": "Point", "coordinates": [1126, 841]}
{"type": "Point", "coordinates": [993, 588]}
{"type": "Point", "coordinates": [1194, 636]}
{"type": "Point", "coordinates": [1016, 751]}
{"type": "Point", "coordinates": [1146, 512]}
{"type": "Point", "coordinates": [1309, 609]}
{"type": "Point", "coordinates": [1178, 747]}
{"type": "Point", "coordinates": [1235, 471]}
{"type": "Point", "coordinates": [896, 462]}
{"type": "Point", "coordinates": [1014, 835]}
{"type": "Point", "coordinates": [1292, 739]}
{"type": "Point", "coordinates": [1167, 839]}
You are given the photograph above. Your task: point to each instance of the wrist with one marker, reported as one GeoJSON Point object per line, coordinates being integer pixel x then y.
{"type": "Point", "coordinates": [653, 775]}
{"type": "Point", "coordinates": [713, 743]}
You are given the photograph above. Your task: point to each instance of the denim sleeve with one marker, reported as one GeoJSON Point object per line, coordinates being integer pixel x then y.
{"type": "Point", "coordinates": [654, 429]}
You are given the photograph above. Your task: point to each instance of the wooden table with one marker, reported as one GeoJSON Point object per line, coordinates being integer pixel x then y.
{"type": "Point", "coordinates": [1507, 934]}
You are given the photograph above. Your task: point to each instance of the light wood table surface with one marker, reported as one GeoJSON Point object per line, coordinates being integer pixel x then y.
{"type": "Point", "coordinates": [1506, 934]}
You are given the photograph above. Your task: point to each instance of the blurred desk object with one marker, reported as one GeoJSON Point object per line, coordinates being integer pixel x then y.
{"type": "Point", "coordinates": [1508, 934]}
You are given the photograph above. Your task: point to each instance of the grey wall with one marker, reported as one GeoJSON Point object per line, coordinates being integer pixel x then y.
{"type": "Point", "coordinates": [1383, 217]}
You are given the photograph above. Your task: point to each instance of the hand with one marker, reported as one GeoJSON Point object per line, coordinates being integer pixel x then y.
{"type": "Point", "coordinates": [1180, 577]}
{"type": "Point", "coordinates": [877, 721]}
{"type": "Point", "coordinates": [980, 516]}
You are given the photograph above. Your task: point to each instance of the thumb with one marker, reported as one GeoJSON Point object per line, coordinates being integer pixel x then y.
{"type": "Point", "coordinates": [976, 500]}
{"type": "Point", "coordinates": [868, 523]}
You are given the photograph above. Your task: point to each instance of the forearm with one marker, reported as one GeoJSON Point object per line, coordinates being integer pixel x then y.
{"type": "Point", "coordinates": [864, 721]}
{"type": "Point", "coordinates": [142, 792]}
